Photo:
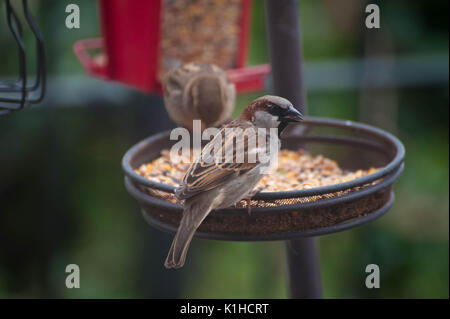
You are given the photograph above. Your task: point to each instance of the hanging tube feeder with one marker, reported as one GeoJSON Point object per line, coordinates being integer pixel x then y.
{"type": "Point", "coordinates": [143, 39]}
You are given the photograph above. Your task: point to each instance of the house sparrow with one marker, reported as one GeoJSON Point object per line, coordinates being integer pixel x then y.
{"type": "Point", "coordinates": [210, 184]}
{"type": "Point", "coordinates": [198, 91]}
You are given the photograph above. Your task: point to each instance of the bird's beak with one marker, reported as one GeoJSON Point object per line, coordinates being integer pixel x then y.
{"type": "Point", "coordinates": [292, 115]}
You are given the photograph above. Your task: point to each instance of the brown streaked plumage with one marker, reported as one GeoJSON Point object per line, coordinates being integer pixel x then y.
{"type": "Point", "coordinates": [212, 182]}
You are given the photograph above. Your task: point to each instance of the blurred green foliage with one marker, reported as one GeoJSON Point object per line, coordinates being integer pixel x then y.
{"type": "Point", "coordinates": [67, 161]}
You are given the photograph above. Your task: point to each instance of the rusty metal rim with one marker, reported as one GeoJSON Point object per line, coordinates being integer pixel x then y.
{"type": "Point", "coordinates": [349, 125]}
{"type": "Point", "coordinates": [278, 235]}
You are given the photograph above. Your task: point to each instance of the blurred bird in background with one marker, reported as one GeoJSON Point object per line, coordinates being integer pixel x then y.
{"type": "Point", "coordinates": [197, 91]}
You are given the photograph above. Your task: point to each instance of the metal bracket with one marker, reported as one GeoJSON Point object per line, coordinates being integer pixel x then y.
{"type": "Point", "coordinates": [17, 94]}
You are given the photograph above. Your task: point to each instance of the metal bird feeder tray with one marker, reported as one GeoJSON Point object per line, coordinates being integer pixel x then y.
{"type": "Point", "coordinates": [287, 214]}
{"type": "Point", "coordinates": [142, 40]}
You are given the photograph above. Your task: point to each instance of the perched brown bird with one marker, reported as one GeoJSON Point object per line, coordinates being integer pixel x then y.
{"type": "Point", "coordinates": [210, 184]}
{"type": "Point", "coordinates": [196, 91]}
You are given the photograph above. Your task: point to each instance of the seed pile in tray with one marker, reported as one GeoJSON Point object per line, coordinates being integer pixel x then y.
{"type": "Point", "coordinates": [296, 170]}
{"type": "Point", "coordinates": [204, 31]}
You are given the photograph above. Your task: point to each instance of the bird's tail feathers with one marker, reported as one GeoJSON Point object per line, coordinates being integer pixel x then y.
{"type": "Point", "coordinates": [193, 216]}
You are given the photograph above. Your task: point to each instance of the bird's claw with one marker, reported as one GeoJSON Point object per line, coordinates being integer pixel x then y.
{"type": "Point", "coordinates": [248, 199]}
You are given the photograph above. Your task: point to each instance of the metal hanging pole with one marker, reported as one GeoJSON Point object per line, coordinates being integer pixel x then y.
{"type": "Point", "coordinates": [286, 61]}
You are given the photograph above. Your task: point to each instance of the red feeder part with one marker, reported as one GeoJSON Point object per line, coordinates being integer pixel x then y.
{"type": "Point", "coordinates": [143, 39]}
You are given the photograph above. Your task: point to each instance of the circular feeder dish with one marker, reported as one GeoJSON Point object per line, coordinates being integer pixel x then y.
{"type": "Point", "coordinates": [287, 214]}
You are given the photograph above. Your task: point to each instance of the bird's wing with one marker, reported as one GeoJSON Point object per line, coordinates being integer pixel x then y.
{"type": "Point", "coordinates": [230, 159]}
